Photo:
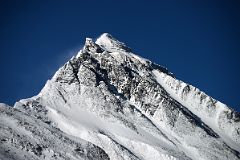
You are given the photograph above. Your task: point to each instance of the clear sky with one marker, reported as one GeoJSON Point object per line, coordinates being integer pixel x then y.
{"type": "Point", "coordinates": [197, 40]}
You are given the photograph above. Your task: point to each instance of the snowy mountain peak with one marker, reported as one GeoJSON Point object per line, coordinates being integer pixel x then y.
{"type": "Point", "coordinates": [110, 43]}
{"type": "Point", "coordinates": [106, 36]}
{"type": "Point", "coordinates": [106, 39]}
{"type": "Point", "coordinates": [123, 107]}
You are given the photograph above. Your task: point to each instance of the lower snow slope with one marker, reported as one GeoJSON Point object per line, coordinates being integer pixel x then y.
{"type": "Point", "coordinates": [24, 136]}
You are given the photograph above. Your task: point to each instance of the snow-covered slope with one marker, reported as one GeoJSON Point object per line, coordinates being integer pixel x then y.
{"type": "Point", "coordinates": [124, 107]}
{"type": "Point", "coordinates": [25, 136]}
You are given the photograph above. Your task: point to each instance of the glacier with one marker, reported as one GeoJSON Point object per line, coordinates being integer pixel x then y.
{"type": "Point", "coordinates": [107, 102]}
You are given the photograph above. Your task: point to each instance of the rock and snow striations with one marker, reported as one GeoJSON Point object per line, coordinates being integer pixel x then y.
{"type": "Point", "coordinates": [108, 103]}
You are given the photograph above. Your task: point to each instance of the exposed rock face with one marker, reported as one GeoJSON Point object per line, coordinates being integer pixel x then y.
{"type": "Point", "coordinates": [125, 107]}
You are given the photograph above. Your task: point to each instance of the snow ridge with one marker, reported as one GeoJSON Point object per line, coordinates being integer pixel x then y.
{"type": "Point", "coordinates": [126, 107]}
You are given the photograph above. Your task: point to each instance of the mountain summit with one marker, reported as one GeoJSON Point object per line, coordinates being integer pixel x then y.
{"type": "Point", "coordinates": [108, 103]}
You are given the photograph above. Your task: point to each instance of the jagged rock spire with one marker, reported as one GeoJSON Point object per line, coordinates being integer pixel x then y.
{"type": "Point", "coordinates": [91, 46]}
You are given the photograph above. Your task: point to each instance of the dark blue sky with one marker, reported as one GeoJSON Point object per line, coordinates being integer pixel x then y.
{"type": "Point", "coordinates": [199, 41]}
